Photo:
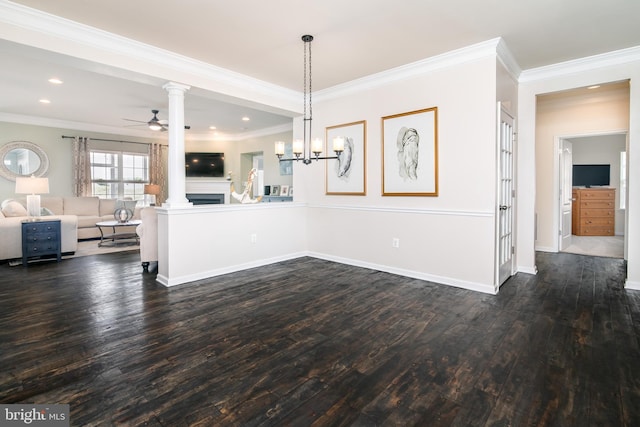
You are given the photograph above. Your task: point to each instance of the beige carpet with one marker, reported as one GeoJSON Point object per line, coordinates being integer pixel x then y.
{"type": "Point", "coordinates": [606, 246]}
{"type": "Point", "coordinates": [90, 247]}
{"type": "Point", "coordinates": [85, 248]}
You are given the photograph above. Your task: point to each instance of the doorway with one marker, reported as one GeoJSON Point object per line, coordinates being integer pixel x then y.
{"type": "Point", "coordinates": [594, 111]}
{"type": "Point", "coordinates": [594, 152]}
{"type": "Point", "coordinates": [249, 161]}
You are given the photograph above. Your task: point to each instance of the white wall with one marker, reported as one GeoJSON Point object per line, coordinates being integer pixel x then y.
{"type": "Point", "coordinates": [206, 241]}
{"type": "Point", "coordinates": [59, 151]}
{"type": "Point", "coordinates": [449, 238]}
{"type": "Point", "coordinates": [607, 68]}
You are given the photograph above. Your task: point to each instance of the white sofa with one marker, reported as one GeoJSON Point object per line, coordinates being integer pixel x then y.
{"type": "Point", "coordinates": [78, 214]}
{"type": "Point", "coordinates": [148, 232]}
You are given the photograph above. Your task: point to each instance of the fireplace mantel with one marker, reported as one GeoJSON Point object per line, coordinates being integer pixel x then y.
{"type": "Point", "coordinates": [209, 186]}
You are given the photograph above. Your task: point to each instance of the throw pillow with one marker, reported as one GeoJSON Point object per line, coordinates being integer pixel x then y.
{"type": "Point", "coordinates": [13, 208]}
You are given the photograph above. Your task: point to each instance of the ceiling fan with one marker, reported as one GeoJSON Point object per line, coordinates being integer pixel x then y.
{"type": "Point", "coordinates": [155, 123]}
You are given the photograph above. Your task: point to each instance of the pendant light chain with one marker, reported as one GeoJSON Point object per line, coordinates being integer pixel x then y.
{"type": "Point", "coordinates": [308, 108]}
{"type": "Point", "coordinates": [310, 89]}
{"type": "Point", "coordinates": [303, 149]}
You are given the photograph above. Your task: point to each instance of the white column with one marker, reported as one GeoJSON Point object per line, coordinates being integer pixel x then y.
{"type": "Point", "coordinates": [175, 168]}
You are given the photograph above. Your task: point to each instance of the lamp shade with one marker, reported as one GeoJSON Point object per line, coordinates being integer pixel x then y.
{"type": "Point", "coordinates": [152, 189]}
{"type": "Point", "coordinates": [32, 185]}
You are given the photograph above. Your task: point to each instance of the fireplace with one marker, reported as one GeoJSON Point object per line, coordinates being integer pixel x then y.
{"type": "Point", "coordinates": [203, 191]}
{"type": "Point", "coordinates": [206, 199]}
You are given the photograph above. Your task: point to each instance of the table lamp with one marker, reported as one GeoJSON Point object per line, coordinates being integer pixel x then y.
{"type": "Point", "coordinates": [33, 187]}
{"type": "Point", "coordinates": [150, 192]}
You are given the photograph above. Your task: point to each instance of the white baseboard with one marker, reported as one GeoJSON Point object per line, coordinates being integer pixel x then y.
{"type": "Point", "coordinates": [528, 270]}
{"type": "Point", "coordinates": [175, 281]}
{"type": "Point", "coordinates": [448, 281]}
{"type": "Point", "coordinates": [632, 285]}
{"type": "Point", "coordinates": [472, 286]}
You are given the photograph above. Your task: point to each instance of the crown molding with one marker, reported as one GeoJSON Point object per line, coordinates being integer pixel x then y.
{"type": "Point", "coordinates": [507, 59]}
{"type": "Point", "coordinates": [102, 42]}
{"type": "Point", "coordinates": [288, 127]}
{"type": "Point", "coordinates": [414, 69]}
{"type": "Point", "coordinates": [71, 125]}
{"type": "Point", "coordinates": [143, 133]}
{"type": "Point", "coordinates": [589, 63]}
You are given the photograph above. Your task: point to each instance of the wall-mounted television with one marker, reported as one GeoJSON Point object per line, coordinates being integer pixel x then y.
{"type": "Point", "coordinates": [591, 175]}
{"type": "Point", "coordinates": [204, 165]}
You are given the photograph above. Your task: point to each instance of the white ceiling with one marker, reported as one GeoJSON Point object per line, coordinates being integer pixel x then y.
{"type": "Point", "coordinates": [261, 39]}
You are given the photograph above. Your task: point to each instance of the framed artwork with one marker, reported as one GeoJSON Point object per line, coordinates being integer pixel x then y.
{"type": "Point", "coordinates": [284, 190]}
{"type": "Point", "coordinates": [410, 153]}
{"type": "Point", "coordinates": [275, 190]}
{"type": "Point", "coordinates": [347, 174]}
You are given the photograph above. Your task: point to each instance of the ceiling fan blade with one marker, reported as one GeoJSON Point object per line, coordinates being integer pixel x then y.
{"type": "Point", "coordinates": [165, 126]}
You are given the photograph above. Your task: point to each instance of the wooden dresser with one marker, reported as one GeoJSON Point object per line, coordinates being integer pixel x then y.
{"type": "Point", "coordinates": [593, 212]}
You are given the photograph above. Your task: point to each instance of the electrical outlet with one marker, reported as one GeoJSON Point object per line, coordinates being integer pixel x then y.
{"type": "Point", "coordinates": [395, 242]}
{"type": "Point", "coordinates": [254, 238]}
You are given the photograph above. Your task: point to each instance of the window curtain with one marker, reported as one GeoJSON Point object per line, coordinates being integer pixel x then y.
{"type": "Point", "coordinates": [81, 167]}
{"type": "Point", "coordinates": [158, 169]}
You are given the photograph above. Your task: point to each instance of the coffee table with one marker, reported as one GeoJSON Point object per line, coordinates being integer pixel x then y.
{"type": "Point", "coordinates": [115, 237]}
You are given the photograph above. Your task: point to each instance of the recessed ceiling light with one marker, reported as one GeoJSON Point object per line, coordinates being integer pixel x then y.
{"type": "Point", "coordinates": [245, 119]}
{"type": "Point", "coordinates": [594, 87]}
{"type": "Point", "coordinates": [45, 101]}
{"type": "Point", "coordinates": [55, 81]}
{"type": "Point", "coordinates": [212, 127]}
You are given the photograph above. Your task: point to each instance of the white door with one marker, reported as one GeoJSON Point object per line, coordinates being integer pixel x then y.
{"type": "Point", "coordinates": [566, 192]}
{"type": "Point", "coordinates": [506, 196]}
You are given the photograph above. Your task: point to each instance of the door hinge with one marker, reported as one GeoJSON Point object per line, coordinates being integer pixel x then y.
{"type": "Point", "coordinates": [513, 250]}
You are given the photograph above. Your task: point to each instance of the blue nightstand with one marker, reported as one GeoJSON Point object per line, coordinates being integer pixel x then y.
{"type": "Point", "coordinates": [40, 238]}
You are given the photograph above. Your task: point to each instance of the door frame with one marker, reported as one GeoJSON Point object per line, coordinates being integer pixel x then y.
{"type": "Point", "coordinates": [557, 206]}
{"type": "Point", "coordinates": [561, 184]}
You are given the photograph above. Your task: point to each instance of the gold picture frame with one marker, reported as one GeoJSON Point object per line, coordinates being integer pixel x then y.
{"type": "Point", "coordinates": [410, 153]}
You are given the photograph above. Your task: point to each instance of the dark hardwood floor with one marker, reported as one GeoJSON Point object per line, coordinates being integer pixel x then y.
{"type": "Point", "coordinates": [309, 342]}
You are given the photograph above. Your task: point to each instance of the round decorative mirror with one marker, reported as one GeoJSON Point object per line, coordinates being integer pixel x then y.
{"type": "Point", "coordinates": [22, 158]}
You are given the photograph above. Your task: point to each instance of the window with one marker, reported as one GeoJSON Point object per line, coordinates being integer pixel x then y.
{"type": "Point", "coordinates": [118, 175]}
{"type": "Point", "coordinates": [623, 179]}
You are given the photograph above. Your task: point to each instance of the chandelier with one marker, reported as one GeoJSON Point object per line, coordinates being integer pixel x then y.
{"type": "Point", "coordinates": [303, 148]}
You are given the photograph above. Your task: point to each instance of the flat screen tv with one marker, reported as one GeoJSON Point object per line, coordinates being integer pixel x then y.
{"type": "Point", "coordinates": [204, 165]}
{"type": "Point", "coordinates": [591, 175]}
